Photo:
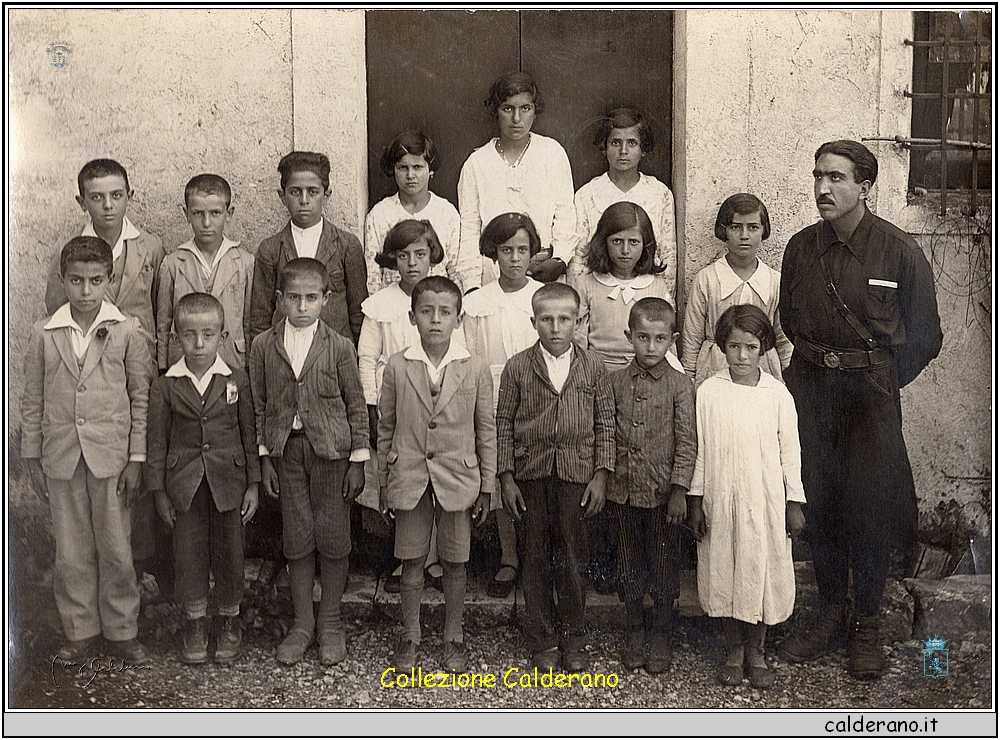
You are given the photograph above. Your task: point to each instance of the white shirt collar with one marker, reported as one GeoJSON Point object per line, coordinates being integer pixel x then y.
{"type": "Point", "coordinates": [129, 231]}
{"type": "Point", "coordinates": [301, 331]}
{"type": "Point", "coordinates": [312, 232]}
{"type": "Point", "coordinates": [624, 288]}
{"type": "Point", "coordinates": [730, 282]}
{"type": "Point", "coordinates": [180, 370]}
{"type": "Point", "coordinates": [226, 245]}
{"type": "Point", "coordinates": [549, 357]}
{"type": "Point", "coordinates": [63, 317]}
{"type": "Point", "coordinates": [455, 352]}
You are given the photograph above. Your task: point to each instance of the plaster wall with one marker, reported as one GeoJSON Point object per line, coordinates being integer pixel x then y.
{"type": "Point", "coordinates": [758, 92]}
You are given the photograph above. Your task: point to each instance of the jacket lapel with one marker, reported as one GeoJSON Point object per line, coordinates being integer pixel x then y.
{"type": "Point", "coordinates": [216, 391]}
{"type": "Point", "coordinates": [326, 250]}
{"type": "Point", "coordinates": [65, 348]}
{"type": "Point", "coordinates": [184, 394]}
{"type": "Point", "coordinates": [279, 341]}
{"type": "Point", "coordinates": [130, 272]}
{"type": "Point", "coordinates": [417, 376]}
{"type": "Point", "coordinates": [191, 271]}
{"type": "Point", "coordinates": [95, 350]}
{"type": "Point", "coordinates": [226, 271]}
{"type": "Point", "coordinates": [541, 370]}
{"type": "Point", "coordinates": [319, 341]}
{"type": "Point", "coordinates": [454, 376]}
{"type": "Point", "coordinates": [288, 252]}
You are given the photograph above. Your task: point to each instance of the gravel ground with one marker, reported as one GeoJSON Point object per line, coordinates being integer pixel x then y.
{"type": "Point", "coordinates": [256, 680]}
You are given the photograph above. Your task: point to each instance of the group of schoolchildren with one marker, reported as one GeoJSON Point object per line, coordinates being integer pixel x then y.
{"type": "Point", "coordinates": [482, 380]}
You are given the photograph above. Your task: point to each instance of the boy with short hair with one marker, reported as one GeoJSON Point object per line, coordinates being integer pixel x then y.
{"type": "Point", "coordinates": [657, 447]}
{"type": "Point", "coordinates": [556, 447]}
{"type": "Point", "coordinates": [305, 187]}
{"type": "Point", "coordinates": [201, 421]}
{"type": "Point", "coordinates": [210, 263]}
{"type": "Point", "coordinates": [312, 433]}
{"type": "Point", "coordinates": [104, 196]}
{"type": "Point", "coordinates": [437, 460]}
{"type": "Point", "coordinates": [86, 389]}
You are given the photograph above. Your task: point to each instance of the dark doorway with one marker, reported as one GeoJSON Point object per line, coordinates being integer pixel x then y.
{"type": "Point", "coordinates": [431, 70]}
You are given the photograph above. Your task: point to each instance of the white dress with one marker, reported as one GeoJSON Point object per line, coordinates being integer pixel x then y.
{"type": "Point", "coordinates": [748, 466]}
{"type": "Point", "coordinates": [497, 327]}
{"type": "Point", "coordinates": [541, 185]}
{"type": "Point", "coordinates": [656, 200]}
{"type": "Point", "coordinates": [387, 213]}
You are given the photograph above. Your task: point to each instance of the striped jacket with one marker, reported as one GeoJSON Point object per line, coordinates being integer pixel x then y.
{"type": "Point", "coordinates": [537, 428]}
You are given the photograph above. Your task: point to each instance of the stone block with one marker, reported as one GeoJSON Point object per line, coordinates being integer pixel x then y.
{"type": "Point", "coordinates": [951, 607]}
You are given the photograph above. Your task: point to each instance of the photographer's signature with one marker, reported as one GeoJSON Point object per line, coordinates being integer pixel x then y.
{"type": "Point", "coordinates": [95, 666]}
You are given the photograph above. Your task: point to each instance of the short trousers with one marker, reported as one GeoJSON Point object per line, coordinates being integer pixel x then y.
{"type": "Point", "coordinates": [413, 530]}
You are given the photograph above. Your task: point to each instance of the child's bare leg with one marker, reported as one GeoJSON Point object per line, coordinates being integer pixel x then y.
{"type": "Point", "coordinates": [432, 563]}
{"type": "Point", "coordinates": [454, 600]}
{"type": "Point", "coordinates": [411, 588]}
{"type": "Point", "coordinates": [301, 573]}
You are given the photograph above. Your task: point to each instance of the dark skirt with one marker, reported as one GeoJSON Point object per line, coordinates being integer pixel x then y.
{"type": "Point", "coordinates": [855, 470]}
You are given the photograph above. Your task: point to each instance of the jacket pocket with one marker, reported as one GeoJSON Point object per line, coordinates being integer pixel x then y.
{"type": "Point", "coordinates": [172, 459]}
{"type": "Point", "coordinates": [393, 456]}
{"type": "Point", "coordinates": [241, 346]}
{"type": "Point", "coordinates": [239, 460]}
{"type": "Point", "coordinates": [471, 461]}
{"type": "Point", "coordinates": [587, 453]}
{"type": "Point", "coordinates": [328, 385]}
{"type": "Point", "coordinates": [520, 450]}
{"type": "Point", "coordinates": [882, 307]}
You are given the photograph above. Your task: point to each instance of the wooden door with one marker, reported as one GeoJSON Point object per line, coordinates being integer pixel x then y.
{"type": "Point", "coordinates": [431, 70]}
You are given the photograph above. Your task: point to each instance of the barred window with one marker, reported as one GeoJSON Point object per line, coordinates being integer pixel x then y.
{"type": "Point", "coordinates": [951, 131]}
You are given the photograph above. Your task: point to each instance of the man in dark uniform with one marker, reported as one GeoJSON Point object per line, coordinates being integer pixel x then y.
{"type": "Point", "coordinates": [857, 301]}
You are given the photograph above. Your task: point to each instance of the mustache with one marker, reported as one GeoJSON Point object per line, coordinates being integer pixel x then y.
{"type": "Point", "coordinates": [824, 201]}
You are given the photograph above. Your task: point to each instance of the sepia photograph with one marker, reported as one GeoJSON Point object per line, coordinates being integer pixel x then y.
{"type": "Point", "coordinates": [501, 359]}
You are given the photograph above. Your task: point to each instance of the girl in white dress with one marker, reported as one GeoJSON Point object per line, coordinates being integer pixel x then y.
{"type": "Point", "coordinates": [516, 172]}
{"type": "Point", "coordinates": [738, 277]}
{"type": "Point", "coordinates": [411, 160]}
{"type": "Point", "coordinates": [625, 137]}
{"type": "Point", "coordinates": [498, 326]}
{"type": "Point", "coordinates": [411, 248]}
{"type": "Point", "coordinates": [746, 495]}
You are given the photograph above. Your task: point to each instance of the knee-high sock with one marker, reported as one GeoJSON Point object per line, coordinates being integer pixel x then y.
{"type": "Point", "coordinates": [300, 580]}
{"type": "Point", "coordinates": [453, 581]}
{"type": "Point", "coordinates": [333, 578]}
{"type": "Point", "coordinates": [411, 589]}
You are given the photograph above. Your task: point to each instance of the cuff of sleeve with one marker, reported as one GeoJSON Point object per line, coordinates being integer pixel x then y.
{"type": "Point", "coordinates": [137, 457]}
{"type": "Point", "coordinates": [360, 455]}
{"type": "Point", "coordinates": [262, 451]}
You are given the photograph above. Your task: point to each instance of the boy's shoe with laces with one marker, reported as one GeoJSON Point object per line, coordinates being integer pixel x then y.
{"type": "Point", "coordinates": [405, 656]}
{"type": "Point", "coordinates": [455, 658]}
{"type": "Point", "coordinates": [230, 639]}
{"type": "Point", "coordinates": [73, 651]}
{"type": "Point", "coordinates": [131, 651]}
{"type": "Point", "coordinates": [194, 641]}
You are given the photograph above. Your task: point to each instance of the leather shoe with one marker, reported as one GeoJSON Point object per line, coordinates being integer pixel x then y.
{"type": "Point", "coordinates": [865, 660]}
{"type": "Point", "coordinates": [661, 652]}
{"type": "Point", "coordinates": [730, 675]}
{"type": "Point", "coordinates": [405, 656]}
{"type": "Point", "coordinates": [811, 641]}
{"type": "Point", "coordinates": [574, 660]}
{"type": "Point", "coordinates": [332, 647]}
{"type": "Point", "coordinates": [634, 655]}
{"type": "Point", "coordinates": [455, 658]}
{"type": "Point", "coordinates": [72, 651]}
{"type": "Point", "coordinates": [194, 641]}
{"type": "Point", "coordinates": [132, 650]}
{"type": "Point", "coordinates": [293, 648]}
{"type": "Point", "coordinates": [546, 659]}
{"type": "Point", "coordinates": [498, 589]}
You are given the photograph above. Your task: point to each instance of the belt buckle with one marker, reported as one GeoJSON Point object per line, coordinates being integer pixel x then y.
{"type": "Point", "coordinates": [831, 360]}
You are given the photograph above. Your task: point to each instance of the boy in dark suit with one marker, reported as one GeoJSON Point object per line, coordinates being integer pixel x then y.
{"type": "Point", "coordinates": [204, 473]}
{"type": "Point", "coordinates": [555, 450]}
{"type": "Point", "coordinates": [312, 436]}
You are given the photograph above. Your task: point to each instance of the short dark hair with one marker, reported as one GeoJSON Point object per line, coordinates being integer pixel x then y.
{"type": "Point", "coordinates": [620, 217]}
{"type": "Point", "coordinates": [509, 85]}
{"type": "Point", "coordinates": [554, 291]}
{"type": "Point", "coordinates": [741, 203]}
{"type": "Point", "coordinates": [408, 142]}
{"type": "Point", "coordinates": [435, 284]}
{"type": "Point", "coordinates": [745, 317]}
{"type": "Point", "coordinates": [651, 308]}
{"type": "Point", "coordinates": [193, 303]}
{"type": "Point", "coordinates": [96, 168]}
{"type": "Point", "coordinates": [302, 267]}
{"type": "Point", "coordinates": [86, 249]}
{"type": "Point", "coordinates": [625, 118]}
{"type": "Point", "coordinates": [403, 235]}
{"type": "Point", "coordinates": [318, 164]}
{"type": "Point", "coordinates": [209, 185]}
{"type": "Point", "coordinates": [502, 228]}
{"type": "Point", "coordinates": [865, 163]}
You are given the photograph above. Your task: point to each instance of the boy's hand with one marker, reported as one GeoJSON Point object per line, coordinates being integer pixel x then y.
{"type": "Point", "coordinates": [795, 520]}
{"type": "Point", "coordinates": [130, 481]}
{"type": "Point", "coordinates": [593, 495]}
{"type": "Point", "coordinates": [383, 506]}
{"type": "Point", "coordinates": [251, 498]}
{"type": "Point", "coordinates": [481, 509]}
{"type": "Point", "coordinates": [165, 508]}
{"type": "Point", "coordinates": [269, 476]}
{"type": "Point", "coordinates": [696, 519]}
{"type": "Point", "coordinates": [373, 426]}
{"type": "Point", "coordinates": [510, 496]}
{"type": "Point", "coordinates": [677, 505]}
{"type": "Point", "coordinates": [37, 476]}
{"type": "Point", "coordinates": [354, 481]}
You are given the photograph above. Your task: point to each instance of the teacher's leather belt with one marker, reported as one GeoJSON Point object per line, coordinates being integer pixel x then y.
{"type": "Point", "coordinates": [842, 359]}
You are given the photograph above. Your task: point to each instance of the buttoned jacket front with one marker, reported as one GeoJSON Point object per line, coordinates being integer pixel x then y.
{"type": "Point", "coordinates": [447, 439]}
{"type": "Point", "coordinates": [327, 395]}
{"type": "Point", "coordinates": [190, 439]}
